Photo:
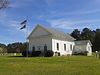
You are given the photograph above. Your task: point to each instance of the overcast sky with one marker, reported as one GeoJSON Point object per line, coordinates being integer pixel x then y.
{"type": "Point", "coordinates": [65, 15]}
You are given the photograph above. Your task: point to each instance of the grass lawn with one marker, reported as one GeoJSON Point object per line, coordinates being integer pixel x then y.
{"type": "Point", "coordinates": [74, 65]}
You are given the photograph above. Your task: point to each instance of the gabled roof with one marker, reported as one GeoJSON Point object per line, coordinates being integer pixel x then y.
{"type": "Point", "coordinates": [83, 42]}
{"type": "Point", "coordinates": [55, 33]}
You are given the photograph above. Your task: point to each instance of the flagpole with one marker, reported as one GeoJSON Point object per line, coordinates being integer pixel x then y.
{"type": "Point", "coordinates": [26, 36]}
{"type": "Point", "coordinates": [24, 25]}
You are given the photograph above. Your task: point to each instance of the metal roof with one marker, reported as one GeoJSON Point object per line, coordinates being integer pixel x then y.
{"type": "Point", "coordinates": [60, 34]}
{"type": "Point", "coordinates": [83, 42]}
{"type": "Point", "coordinates": [57, 33]}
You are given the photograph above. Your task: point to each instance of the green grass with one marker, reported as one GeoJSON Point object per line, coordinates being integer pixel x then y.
{"type": "Point", "coordinates": [74, 65]}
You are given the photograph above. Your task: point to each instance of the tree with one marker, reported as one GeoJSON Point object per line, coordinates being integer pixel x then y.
{"type": "Point", "coordinates": [17, 47]}
{"type": "Point", "coordinates": [87, 34]}
{"type": "Point", "coordinates": [97, 40]}
{"type": "Point", "coordinates": [14, 47]}
{"type": "Point", "coordinates": [3, 48]}
{"type": "Point", "coordinates": [24, 47]}
{"type": "Point", "coordinates": [76, 34]}
{"type": "Point", "coordinates": [4, 4]}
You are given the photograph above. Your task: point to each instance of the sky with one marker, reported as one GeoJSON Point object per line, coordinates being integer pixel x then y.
{"type": "Point", "coordinates": [65, 15]}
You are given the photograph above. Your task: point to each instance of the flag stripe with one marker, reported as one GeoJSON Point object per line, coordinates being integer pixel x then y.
{"type": "Point", "coordinates": [24, 26]}
{"type": "Point", "coordinates": [23, 22]}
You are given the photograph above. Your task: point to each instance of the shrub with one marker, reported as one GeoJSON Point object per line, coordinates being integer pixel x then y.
{"type": "Point", "coordinates": [24, 53]}
{"type": "Point", "coordinates": [48, 53]}
{"type": "Point", "coordinates": [85, 52]}
{"type": "Point", "coordinates": [75, 53]}
{"type": "Point", "coordinates": [36, 53]}
{"type": "Point", "coordinates": [81, 53]}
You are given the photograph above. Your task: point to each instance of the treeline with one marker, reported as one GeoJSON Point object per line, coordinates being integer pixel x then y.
{"type": "Point", "coordinates": [87, 34]}
{"type": "Point", "coordinates": [16, 47]}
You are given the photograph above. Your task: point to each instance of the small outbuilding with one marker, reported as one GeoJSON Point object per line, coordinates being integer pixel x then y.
{"type": "Point", "coordinates": [83, 46]}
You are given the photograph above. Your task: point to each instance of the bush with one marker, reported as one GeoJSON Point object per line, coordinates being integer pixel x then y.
{"type": "Point", "coordinates": [36, 53]}
{"type": "Point", "coordinates": [75, 53]}
{"type": "Point", "coordinates": [48, 53]}
{"type": "Point", "coordinates": [24, 53]}
{"type": "Point", "coordinates": [81, 53]}
{"type": "Point", "coordinates": [85, 52]}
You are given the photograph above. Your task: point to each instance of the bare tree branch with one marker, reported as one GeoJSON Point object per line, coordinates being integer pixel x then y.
{"type": "Point", "coordinates": [4, 4]}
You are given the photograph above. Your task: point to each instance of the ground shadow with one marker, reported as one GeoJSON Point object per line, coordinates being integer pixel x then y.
{"type": "Point", "coordinates": [21, 56]}
{"type": "Point", "coordinates": [16, 56]}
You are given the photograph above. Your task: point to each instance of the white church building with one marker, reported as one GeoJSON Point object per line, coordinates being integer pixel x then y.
{"type": "Point", "coordinates": [59, 42]}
